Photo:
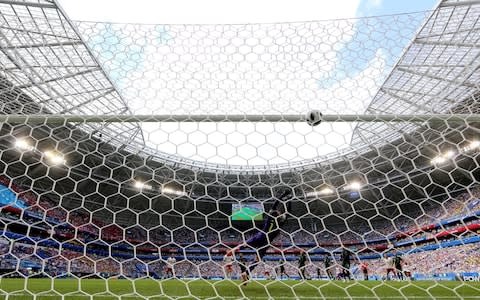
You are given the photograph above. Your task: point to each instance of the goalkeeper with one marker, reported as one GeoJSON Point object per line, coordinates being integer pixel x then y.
{"type": "Point", "coordinates": [262, 240]}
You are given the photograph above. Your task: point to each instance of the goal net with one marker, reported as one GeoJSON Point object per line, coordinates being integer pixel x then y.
{"type": "Point", "coordinates": [320, 159]}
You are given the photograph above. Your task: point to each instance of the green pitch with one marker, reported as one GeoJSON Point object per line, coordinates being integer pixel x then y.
{"type": "Point", "coordinates": [71, 289]}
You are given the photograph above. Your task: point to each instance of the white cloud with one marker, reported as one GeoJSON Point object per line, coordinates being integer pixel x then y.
{"type": "Point", "coordinates": [224, 69]}
{"type": "Point", "coordinates": [208, 11]}
{"type": "Point", "coordinates": [234, 69]}
{"type": "Point", "coordinates": [374, 3]}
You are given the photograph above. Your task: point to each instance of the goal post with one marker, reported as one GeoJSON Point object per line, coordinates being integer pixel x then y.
{"type": "Point", "coordinates": [413, 118]}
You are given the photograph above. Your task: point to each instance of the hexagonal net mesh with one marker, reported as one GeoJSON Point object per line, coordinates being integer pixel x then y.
{"type": "Point", "coordinates": [180, 161]}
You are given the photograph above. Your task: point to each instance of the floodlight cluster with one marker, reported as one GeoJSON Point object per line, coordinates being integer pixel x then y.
{"type": "Point", "coordinates": [24, 145]}
{"type": "Point", "coordinates": [53, 157]}
{"type": "Point", "coordinates": [329, 190]}
{"type": "Point", "coordinates": [164, 190]}
{"type": "Point", "coordinates": [451, 154]}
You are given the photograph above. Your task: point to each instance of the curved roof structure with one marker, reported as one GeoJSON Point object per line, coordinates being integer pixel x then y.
{"type": "Point", "coordinates": [67, 69]}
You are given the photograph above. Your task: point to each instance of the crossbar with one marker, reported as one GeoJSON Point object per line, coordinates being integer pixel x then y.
{"type": "Point", "coordinates": [49, 119]}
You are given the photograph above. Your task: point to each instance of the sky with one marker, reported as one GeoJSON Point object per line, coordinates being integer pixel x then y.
{"type": "Point", "coordinates": [231, 12]}
{"type": "Point", "coordinates": [335, 66]}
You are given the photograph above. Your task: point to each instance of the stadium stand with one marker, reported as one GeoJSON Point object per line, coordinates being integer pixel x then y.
{"type": "Point", "coordinates": [448, 237]}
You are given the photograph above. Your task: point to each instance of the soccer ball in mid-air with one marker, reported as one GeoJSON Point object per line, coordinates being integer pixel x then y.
{"type": "Point", "coordinates": [314, 117]}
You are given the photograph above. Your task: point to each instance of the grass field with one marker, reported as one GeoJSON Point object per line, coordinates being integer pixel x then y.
{"type": "Point", "coordinates": [71, 289]}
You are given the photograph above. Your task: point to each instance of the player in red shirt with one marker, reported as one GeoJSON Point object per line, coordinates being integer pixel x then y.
{"type": "Point", "coordinates": [364, 269]}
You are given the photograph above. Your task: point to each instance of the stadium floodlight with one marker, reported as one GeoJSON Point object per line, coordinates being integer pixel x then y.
{"type": "Point", "coordinates": [440, 159]}
{"type": "Point", "coordinates": [449, 154]}
{"type": "Point", "coordinates": [322, 191]}
{"type": "Point", "coordinates": [167, 190]}
{"type": "Point", "coordinates": [139, 184]}
{"type": "Point", "coordinates": [325, 191]}
{"type": "Point", "coordinates": [142, 185]}
{"type": "Point", "coordinates": [472, 146]}
{"type": "Point", "coordinates": [24, 145]}
{"type": "Point", "coordinates": [355, 186]}
{"type": "Point", "coordinates": [54, 157]}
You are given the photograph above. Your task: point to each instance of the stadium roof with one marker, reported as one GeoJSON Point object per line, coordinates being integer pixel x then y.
{"type": "Point", "coordinates": [43, 53]}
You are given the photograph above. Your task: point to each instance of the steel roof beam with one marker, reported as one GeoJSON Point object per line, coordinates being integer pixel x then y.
{"type": "Point", "coordinates": [59, 78]}
{"type": "Point", "coordinates": [59, 44]}
{"type": "Point", "coordinates": [467, 84]}
{"type": "Point", "coordinates": [460, 3]}
{"type": "Point", "coordinates": [31, 4]}
{"type": "Point", "coordinates": [444, 43]}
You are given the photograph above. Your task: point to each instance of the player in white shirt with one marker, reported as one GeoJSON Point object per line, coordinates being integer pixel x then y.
{"type": "Point", "coordinates": [169, 267]}
{"type": "Point", "coordinates": [389, 266]}
{"type": "Point", "coordinates": [407, 271]}
{"type": "Point", "coordinates": [228, 266]}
